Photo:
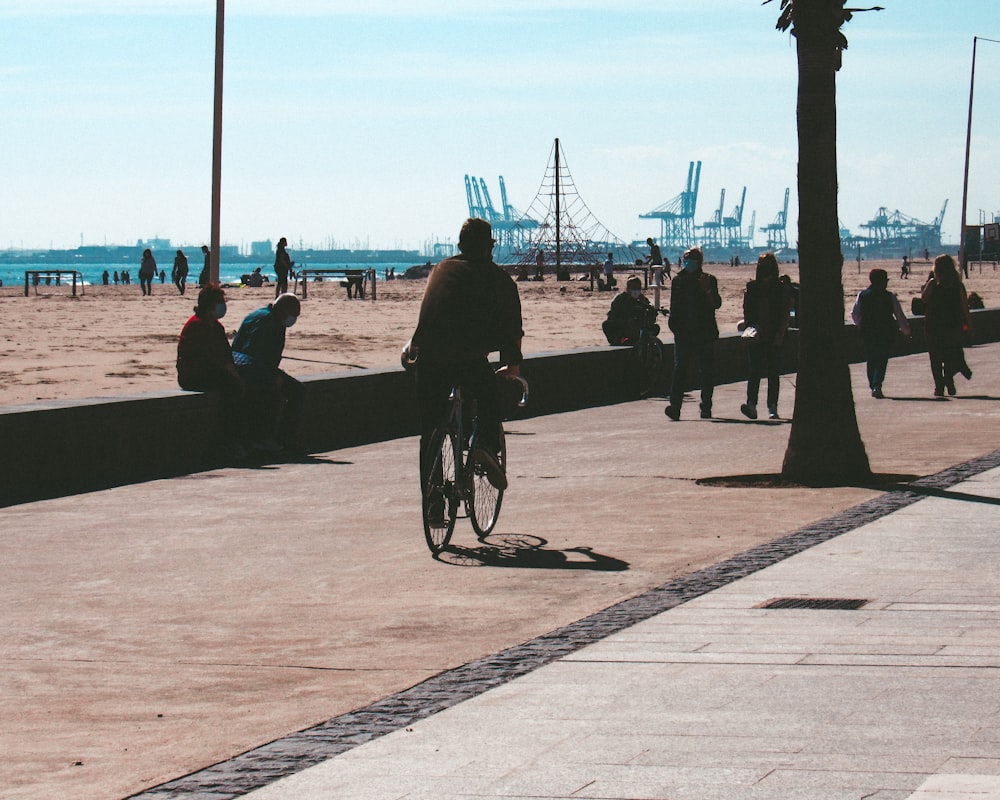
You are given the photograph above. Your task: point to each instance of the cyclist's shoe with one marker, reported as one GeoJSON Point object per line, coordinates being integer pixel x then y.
{"type": "Point", "coordinates": [749, 411]}
{"type": "Point", "coordinates": [435, 515]}
{"type": "Point", "coordinates": [491, 467]}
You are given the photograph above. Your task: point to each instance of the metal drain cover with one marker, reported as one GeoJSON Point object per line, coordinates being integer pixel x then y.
{"type": "Point", "coordinates": [832, 603]}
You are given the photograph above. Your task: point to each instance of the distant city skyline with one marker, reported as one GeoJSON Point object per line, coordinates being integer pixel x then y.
{"type": "Point", "coordinates": [356, 123]}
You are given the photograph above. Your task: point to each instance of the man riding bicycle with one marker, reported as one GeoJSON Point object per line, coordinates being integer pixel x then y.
{"type": "Point", "coordinates": [470, 309]}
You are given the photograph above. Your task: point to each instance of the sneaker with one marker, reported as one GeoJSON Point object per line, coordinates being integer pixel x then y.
{"type": "Point", "coordinates": [939, 391]}
{"type": "Point", "coordinates": [268, 445]}
{"type": "Point", "coordinates": [706, 411]}
{"type": "Point", "coordinates": [674, 412]}
{"type": "Point", "coordinates": [772, 412]}
{"type": "Point", "coordinates": [950, 385]}
{"type": "Point", "coordinates": [877, 393]}
{"type": "Point", "coordinates": [749, 411]}
{"type": "Point", "coordinates": [491, 467]}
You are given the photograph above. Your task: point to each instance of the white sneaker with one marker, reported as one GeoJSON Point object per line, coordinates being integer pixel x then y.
{"type": "Point", "coordinates": [772, 412]}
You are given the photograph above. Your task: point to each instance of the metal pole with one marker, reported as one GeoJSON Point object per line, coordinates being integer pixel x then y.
{"type": "Point", "coordinates": [558, 231]}
{"type": "Point", "coordinates": [220, 17]}
{"type": "Point", "coordinates": [968, 144]}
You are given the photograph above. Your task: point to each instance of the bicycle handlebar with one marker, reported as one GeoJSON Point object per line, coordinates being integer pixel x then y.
{"type": "Point", "coordinates": [502, 373]}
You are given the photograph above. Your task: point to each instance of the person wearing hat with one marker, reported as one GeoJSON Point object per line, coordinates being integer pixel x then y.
{"type": "Point", "coordinates": [627, 314]}
{"type": "Point", "coordinates": [694, 298]}
{"type": "Point", "coordinates": [878, 315]}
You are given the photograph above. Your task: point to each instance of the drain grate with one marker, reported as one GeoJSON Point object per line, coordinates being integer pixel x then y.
{"type": "Point", "coordinates": [834, 603]}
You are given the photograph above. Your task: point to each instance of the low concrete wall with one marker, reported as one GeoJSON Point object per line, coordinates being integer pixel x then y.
{"type": "Point", "coordinates": [67, 447]}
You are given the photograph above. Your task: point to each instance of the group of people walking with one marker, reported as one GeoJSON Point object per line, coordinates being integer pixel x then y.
{"type": "Point", "coordinates": [768, 303]}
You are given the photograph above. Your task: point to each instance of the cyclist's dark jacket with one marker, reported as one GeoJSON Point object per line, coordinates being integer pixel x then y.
{"type": "Point", "coordinates": [626, 316]}
{"type": "Point", "coordinates": [470, 308]}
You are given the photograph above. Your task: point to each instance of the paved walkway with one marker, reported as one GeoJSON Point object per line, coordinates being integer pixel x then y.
{"type": "Point", "coordinates": [608, 630]}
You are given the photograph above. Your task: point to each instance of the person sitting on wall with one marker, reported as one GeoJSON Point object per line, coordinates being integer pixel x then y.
{"type": "Point", "coordinates": [629, 312]}
{"type": "Point", "coordinates": [273, 395]}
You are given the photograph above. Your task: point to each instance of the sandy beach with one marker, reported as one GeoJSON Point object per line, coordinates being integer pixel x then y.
{"type": "Point", "coordinates": [112, 341]}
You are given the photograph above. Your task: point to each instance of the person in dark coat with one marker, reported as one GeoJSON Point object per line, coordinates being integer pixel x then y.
{"type": "Point", "coordinates": [878, 315]}
{"type": "Point", "coordinates": [694, 298]}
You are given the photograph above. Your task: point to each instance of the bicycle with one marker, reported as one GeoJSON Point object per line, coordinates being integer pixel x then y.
{"type": "Point", "coordinates": [453, 477]}
{"type": "Point", "coordinates": [647, 352]}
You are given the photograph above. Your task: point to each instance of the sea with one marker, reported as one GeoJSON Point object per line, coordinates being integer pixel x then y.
{"type": "Point", "coordinates": [230, 274]}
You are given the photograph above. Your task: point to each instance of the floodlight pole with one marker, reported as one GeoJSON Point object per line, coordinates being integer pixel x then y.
{"type": "Point", "coordinates": [968, 148]}
{"type": "Point", "coordinates": [220, 16]}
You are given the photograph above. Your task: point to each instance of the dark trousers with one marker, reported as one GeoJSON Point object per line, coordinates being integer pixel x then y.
{"type": "Point", "coordinates": [877, 353]}
{"type": "Point", "coordinates": [684, 352]}
{"type": "Point", "coordinates": [274, 399]}
{"type": "Point", "coordinates": [762, 360]}
{"type": "Point", "coordinates": [434, 384]}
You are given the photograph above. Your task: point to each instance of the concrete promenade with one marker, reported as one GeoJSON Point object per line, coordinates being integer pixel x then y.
{"type": "Point", "coordinates": [606, 642]}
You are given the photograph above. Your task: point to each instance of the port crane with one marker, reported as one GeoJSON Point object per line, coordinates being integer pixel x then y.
{"type": "Point", "coordinates": [676, 216]}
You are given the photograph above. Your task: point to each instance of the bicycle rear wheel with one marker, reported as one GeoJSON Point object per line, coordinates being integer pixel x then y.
{"type": "Point", "coordinates": [440, 491]}
{"type": "Point", "coordinates": [484, 499]}
{"type": "Point", "coordinates": [650, 366]}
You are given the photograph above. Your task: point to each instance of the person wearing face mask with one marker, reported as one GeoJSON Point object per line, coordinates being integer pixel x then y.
{"type": "Point", "coordinates": [628, 313]}
{"type": "Point", "coordinates": [274, 396]}
{"type": "Point", "coordinates": [694, 297]}
{"type": "Point", "coordinates": [205, 363]}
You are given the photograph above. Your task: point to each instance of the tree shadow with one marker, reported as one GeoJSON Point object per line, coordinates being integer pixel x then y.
{"type": "Point", "coordinates": [277, 461]}
{"type": "Point", "coordinates": [525, 551]}
{"type": "Point", "coordinates": [881, 482]}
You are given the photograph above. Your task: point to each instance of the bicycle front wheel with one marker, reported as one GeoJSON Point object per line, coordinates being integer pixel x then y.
{"type": "Point", "coordinates": [484, 499]}
{"type": "Point", "coordinates": [650, 366]}
{"type": "Point", "coordinates": [441, 492]}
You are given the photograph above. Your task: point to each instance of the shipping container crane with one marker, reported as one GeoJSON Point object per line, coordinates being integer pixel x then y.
{"type": "Point", "coordinates": [777, 231]}
{"type": "Point", "coordinates": [677, 214]}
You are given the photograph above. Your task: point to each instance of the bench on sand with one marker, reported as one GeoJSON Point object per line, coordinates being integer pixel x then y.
{"type": "Point", "coordinates": [356, 280]}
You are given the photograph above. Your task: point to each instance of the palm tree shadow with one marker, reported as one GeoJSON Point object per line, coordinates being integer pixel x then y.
{"type": "Point", "coordinates": [883, 482]}
{"type": "Point", "coordinates": [525, 551]}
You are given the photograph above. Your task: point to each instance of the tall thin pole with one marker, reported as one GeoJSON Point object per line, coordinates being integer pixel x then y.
{"type": "Point", "coordinates": [968, 147]}
{"type": "Point", "coordinates": [220, 17]}
{"type": "Point", "coordinates": [558, 221]}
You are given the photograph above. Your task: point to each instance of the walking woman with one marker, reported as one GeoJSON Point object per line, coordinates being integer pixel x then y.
{"type": "Point", "coordinates": [767, 306]}
{"type": "Point", "coordinates": [947, 323]}
{"type": "Point", "coordinates": [146, 272]}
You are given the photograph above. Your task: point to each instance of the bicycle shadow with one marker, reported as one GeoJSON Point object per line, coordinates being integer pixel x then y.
{"type": "Point", "coordinates": [525, 551]}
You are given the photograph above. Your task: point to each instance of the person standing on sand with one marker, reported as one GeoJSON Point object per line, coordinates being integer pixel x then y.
{"type": "Point", "coordinates": [947, 321]}
{"type": "Point", "coordinates": [282, 266]}
{"type": "Point", "coordinates": [206, 270]}
{"type": "Point", "coordinates": [878, 315]}
{"type": "Point", "coordinates": [694, 297]}
{"type": "Point", "coordinates": [180, 271]}
{"type": "Point", "coordinates": [147, 269]}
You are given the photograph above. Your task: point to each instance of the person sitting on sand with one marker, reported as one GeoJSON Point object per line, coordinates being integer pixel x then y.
{"type": "Point", "coordinates": [629, 312]}
{"type": "Point", "coordinates": [205, 363]}
{"type": "Point", "coordinates": [273, 395]}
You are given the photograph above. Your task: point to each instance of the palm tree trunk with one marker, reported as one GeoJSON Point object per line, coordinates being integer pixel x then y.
{"type": "Point", "coordinates": [825, 446]}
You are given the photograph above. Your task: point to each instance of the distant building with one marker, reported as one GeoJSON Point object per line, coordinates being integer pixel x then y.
{"type": "Point", "coordinates": [261, 249]}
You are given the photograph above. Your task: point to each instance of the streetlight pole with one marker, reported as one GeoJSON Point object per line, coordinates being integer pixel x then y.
{"type": "Point", "coordinates": [220, 15]}
{"type": "Point", "coordinates": [968, 148]}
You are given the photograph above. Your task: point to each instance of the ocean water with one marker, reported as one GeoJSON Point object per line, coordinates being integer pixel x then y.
{"type": "Point", "coordinates": [229, 273]}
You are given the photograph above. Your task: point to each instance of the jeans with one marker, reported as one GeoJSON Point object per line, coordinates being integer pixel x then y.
{"type": "Point", "coordinates": [684, 351]}
{"type": "Point", "coordinates": [877, 354]}
{"type": "Point", "coordinates": [763, 361]}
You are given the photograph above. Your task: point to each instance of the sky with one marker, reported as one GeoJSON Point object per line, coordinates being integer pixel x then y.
{"type": "Point", "coordinates": [354, 123]}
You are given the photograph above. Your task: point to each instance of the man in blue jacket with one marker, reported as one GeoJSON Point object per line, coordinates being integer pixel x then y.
{"type": "Point", "coordinates": [273, 395]}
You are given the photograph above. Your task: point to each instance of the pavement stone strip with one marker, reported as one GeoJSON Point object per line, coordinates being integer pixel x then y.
{"type": "Point", "coordinates": [287, 756]}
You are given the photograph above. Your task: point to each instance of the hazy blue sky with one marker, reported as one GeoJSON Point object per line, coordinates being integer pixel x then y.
{"type": "Point", "coordinates": [356, 122]}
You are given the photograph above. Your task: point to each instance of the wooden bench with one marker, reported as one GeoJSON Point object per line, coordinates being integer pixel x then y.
{"type": "Point", "coordinates": [351, 278]}
{"type": "Point", "coordinates": [34, 277]}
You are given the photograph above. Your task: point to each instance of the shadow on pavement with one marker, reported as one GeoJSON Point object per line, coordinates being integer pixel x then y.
{"type": "Point", "coordinates": [524, 551]}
